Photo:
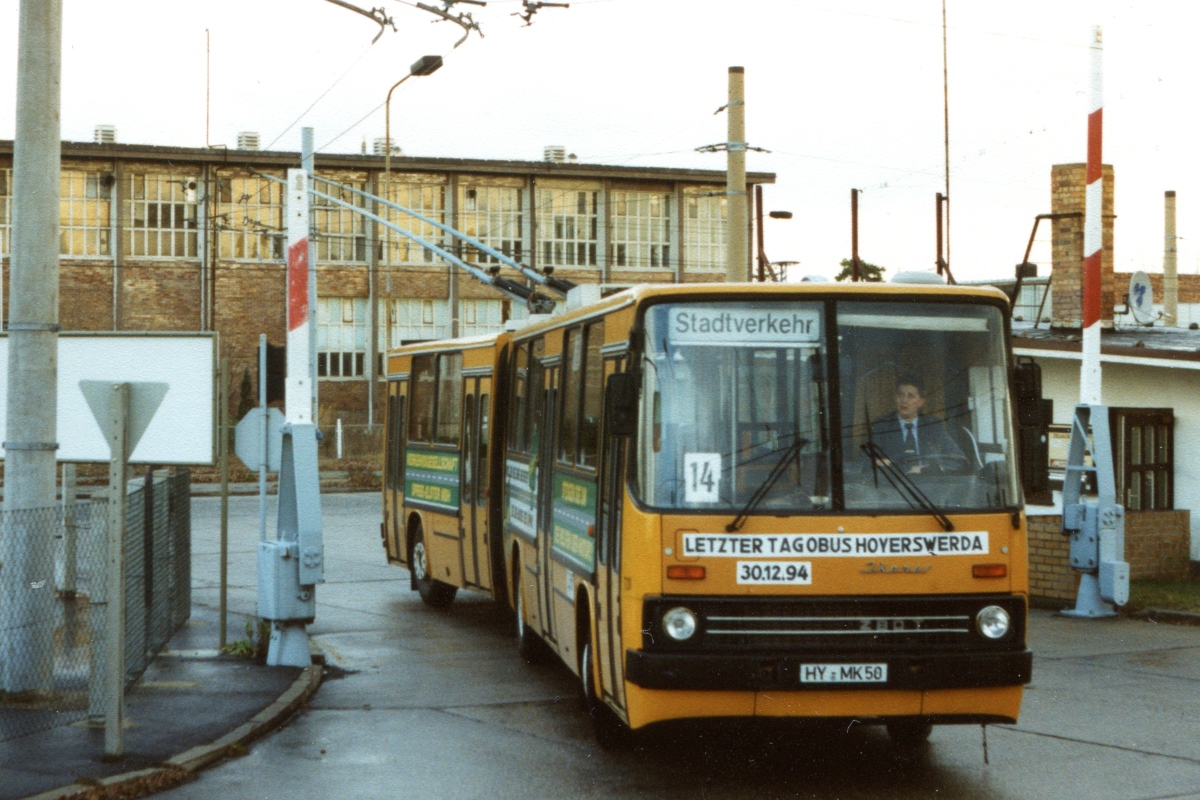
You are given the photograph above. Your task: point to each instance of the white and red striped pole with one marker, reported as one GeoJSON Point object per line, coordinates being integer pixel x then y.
{"type": "Point", "coordinates": [1093, 232]}
{"type": "Point", "coordinates": [298, 393]}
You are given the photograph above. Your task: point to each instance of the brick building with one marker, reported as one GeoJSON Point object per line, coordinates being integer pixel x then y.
{"type": "Point", "coordinates": [192, 239]}
{"type": "Point", "coordinates": [1151, 384]}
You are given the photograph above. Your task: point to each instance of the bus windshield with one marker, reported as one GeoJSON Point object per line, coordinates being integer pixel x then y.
{"type": "Point", "coordinates": [740, 402]}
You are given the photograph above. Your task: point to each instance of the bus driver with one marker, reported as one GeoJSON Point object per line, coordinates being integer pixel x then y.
{"type": "Point", "coordinates": [911, 439]}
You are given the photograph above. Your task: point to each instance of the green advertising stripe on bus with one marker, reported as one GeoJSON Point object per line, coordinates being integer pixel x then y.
{"type": "Point", "coordinates": [574, 513]}
{"type": "Point", "coordinates": [432, 478]}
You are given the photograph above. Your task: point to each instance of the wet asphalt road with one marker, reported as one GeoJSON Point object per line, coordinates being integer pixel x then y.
{"type": "Point", "coordinates": [432, 704]}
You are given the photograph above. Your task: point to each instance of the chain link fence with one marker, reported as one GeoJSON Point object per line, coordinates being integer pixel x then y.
{"type": "Point", "coordinates": [53, 607]}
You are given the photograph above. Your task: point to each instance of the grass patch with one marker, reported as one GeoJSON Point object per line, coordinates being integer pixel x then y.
{"type": "Point", "coordinates": [1175, 595]}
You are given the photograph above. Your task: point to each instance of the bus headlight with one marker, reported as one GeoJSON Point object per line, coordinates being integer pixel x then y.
{"type": "Point", "coordinates": [679, 623]}
{"type": "Point", "coordinates": [992, 622]}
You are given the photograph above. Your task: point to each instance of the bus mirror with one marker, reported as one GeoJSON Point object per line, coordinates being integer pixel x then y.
{"type": "Point", "coordinates": [620, 404]}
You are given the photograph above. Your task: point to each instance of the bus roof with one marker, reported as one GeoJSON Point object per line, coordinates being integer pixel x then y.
{"type": "Point", "coordinates": [725, 291]}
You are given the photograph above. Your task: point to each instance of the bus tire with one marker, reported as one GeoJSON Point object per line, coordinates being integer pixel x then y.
{"type": "Point", "coordinates": [434, 593]}
{"type": "Point", "coordinates": [611, 733]}
{"type": "Point", "coordinates": [529, 645]}
{"type": "Point", "coordinates": [910, 733]}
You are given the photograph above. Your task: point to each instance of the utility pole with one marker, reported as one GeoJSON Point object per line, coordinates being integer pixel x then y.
{"type": "Point", "coordinates": [735, 189]}
{"type": "Point", "coordinates": [1170, 264]}
{"type": "Point", "coordinates": [27, 552]}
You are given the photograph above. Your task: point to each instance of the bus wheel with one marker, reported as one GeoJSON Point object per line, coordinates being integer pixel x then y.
{"type": "Point", "coordinates": [611, 733]}
{"type": "Point", "coordinates": [908, 734]}
{"type": "Point", "coordinates": [434, 593]}
{"type": "Point", "coordinates": [529, 646]}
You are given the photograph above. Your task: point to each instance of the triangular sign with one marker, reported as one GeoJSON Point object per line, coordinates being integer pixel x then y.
{"type": "Point", "coordinates": [144, 400]}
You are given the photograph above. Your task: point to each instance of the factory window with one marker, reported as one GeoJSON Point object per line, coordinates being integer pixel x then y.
{"type": "Point", "coordinates": [491, 214]}
{"type": "Point", "coordinates": [413, 320]}
{"type": "Point", "coordinates": [567, 224]}
{"type": "Point", "coordinates": [161, 216]}
{"type": "Point", "coordinates": [704, 225]}
{"type": "Point", "coordinates": [428, 199]}
{"type": "Point", "coordinates": [85, 213]}
{"type": "Point", "coordinates": [641, 229]}
{"type": "Point", "coordinates": [5, 212]}
{"type": "Point", "coordinates": [249, 219]}
{"type": "Point", "coordinates": [339, 232]}
{"type": "Point", "coordinates": [477, 317]}
{"type": "Point", "coordinates": [341, 337]}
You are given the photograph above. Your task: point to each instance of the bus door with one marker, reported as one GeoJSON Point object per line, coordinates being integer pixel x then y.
{"type": "Point", "coordinates": [545, 510]}
{"type": "Point", "coordinates": [608, 564]}
{"type": "Point", "coordinates": [396, 431]}
{"type": "Point", "coordinates": [473, 510]}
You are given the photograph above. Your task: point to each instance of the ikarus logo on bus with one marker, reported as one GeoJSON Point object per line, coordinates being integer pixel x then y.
{"type": "Point", "coordinates": [774, 558]}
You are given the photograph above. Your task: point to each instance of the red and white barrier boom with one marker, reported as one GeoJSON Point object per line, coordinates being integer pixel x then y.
{"type": "Point", "coordinates": [1096, 528]}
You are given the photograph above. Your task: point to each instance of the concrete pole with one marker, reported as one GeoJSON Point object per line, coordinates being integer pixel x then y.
{"type": "Point", "coordinates": [1170, 266]}
{"type": "Point", "coordinates": [114, 662]}
{"type": "Point", "coordinates": [27, 551]}
{"type": "Point", "coordinates": [735, 189]}
{"type": "Point", "coordinates": [308, 164]}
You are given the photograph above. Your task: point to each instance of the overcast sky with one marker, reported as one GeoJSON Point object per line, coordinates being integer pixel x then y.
{"type": "Point", "coordinates": [844, 94]}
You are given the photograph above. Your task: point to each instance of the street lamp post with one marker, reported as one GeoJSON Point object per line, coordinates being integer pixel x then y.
{"type": "Point", "coordinates": [425, 65]}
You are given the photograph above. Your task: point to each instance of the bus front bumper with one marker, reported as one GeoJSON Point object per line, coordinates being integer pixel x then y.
{"type": "Point", "coordinates": [712, 671]}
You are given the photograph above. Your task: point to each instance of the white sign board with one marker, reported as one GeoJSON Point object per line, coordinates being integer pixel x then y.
{"type": "Point", "coordinates": [182, 430]}
{"type": "Point", "coordinates": [742, 326]}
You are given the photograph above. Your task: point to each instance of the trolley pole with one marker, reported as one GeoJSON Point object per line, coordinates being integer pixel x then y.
{"type": "Point", "coordinates": [735, 189]}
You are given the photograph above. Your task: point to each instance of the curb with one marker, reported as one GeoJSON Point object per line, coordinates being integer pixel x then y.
{"type": "Point", "coordinates": [1169, 616]}
{"type": "Point", "coordinates": [183, 768]}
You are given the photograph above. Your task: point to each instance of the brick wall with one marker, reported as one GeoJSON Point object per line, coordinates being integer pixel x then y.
{"type": "Point", "coordinates": [1156, 546]}
{"type": "Point", "coordinates": [1068, 196]}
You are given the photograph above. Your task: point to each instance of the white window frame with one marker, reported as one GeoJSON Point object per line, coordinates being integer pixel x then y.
{"type": "Point", "coordinates": [427, 198]}
{"type": "Point", "coordinates": [640, 223]}
{"type": "Point", "coordinates": [493, 215]}
{"type": "Point", "coordinates": [412, 319]}
{"type": "Point", "coordinates": [249, 218]}
{"type": "Point", "coordinates": [341, 337]}
{"type": "Point", "coordinates": [705, 220]}
{"type": "Point", "coordinates": [85, 213]}
{"type": "Point", "coordinates": [6, 196]}
{"type": "Point", "coordinates": [161, 216]}
{"type": "Point", "coordinates": [339, 233]}
{"type": "Point", "coordinates": [568, 221]}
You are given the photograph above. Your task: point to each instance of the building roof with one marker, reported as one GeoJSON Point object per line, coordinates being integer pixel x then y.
{"type": "Point", "coordinates": [403, 163]}
{"type": "Point", "coordinates": [1178, 346]}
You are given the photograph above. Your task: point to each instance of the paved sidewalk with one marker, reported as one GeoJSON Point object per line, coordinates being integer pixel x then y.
{"type": "Point", "coordinates": [191, 708]}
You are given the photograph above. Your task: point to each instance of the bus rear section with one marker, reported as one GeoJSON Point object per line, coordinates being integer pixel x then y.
{"type": "Point", "coordinates": [440, 518]}
{"type": "Point", "coordinates": [819, 511]}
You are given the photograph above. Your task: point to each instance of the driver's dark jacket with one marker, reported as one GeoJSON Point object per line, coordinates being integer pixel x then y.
{"type": "Point", "coordinates": [932, 439]}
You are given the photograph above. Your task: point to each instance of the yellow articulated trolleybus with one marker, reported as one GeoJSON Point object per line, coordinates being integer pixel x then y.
{"type": "Point", "coordinates": [732, 500]}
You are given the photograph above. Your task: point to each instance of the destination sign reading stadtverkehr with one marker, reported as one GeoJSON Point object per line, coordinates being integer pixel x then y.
{"type": "Point", "coordinates": [738, 327]}
{"type": "Point", "coordinates": [836, 544]}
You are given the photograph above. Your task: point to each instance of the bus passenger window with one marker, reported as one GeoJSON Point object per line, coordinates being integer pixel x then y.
{"type": "Point", "coordinates": [449, 399]}
{"type": "Point", "coordinates": [593, 396]}
{"type": "Point", "coordinates": [420, 423]}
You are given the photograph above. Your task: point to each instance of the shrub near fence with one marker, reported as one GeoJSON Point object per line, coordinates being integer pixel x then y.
{"type": "Point", "coordinates": [157, 600]}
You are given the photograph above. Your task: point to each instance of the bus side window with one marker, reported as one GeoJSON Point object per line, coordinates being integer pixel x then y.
{"type": "Point", "coordinates": [449, 398]}
{"type": "Point", "coordinates": [468, 450]}
{"type": "Point", "coordinates": [484, 414]}
{"type": "Point", "coordinates": [393, 443]}
{"type": "Point", "coordinates": [420, 423]}
{"type": "Point", "coordinates": [593, 396]}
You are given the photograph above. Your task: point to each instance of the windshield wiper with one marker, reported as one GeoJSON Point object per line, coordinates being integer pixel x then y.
{"type": "Point", "coordinates": [791, 454]}
{"type": "Point", "coordinates": [904, 485]}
